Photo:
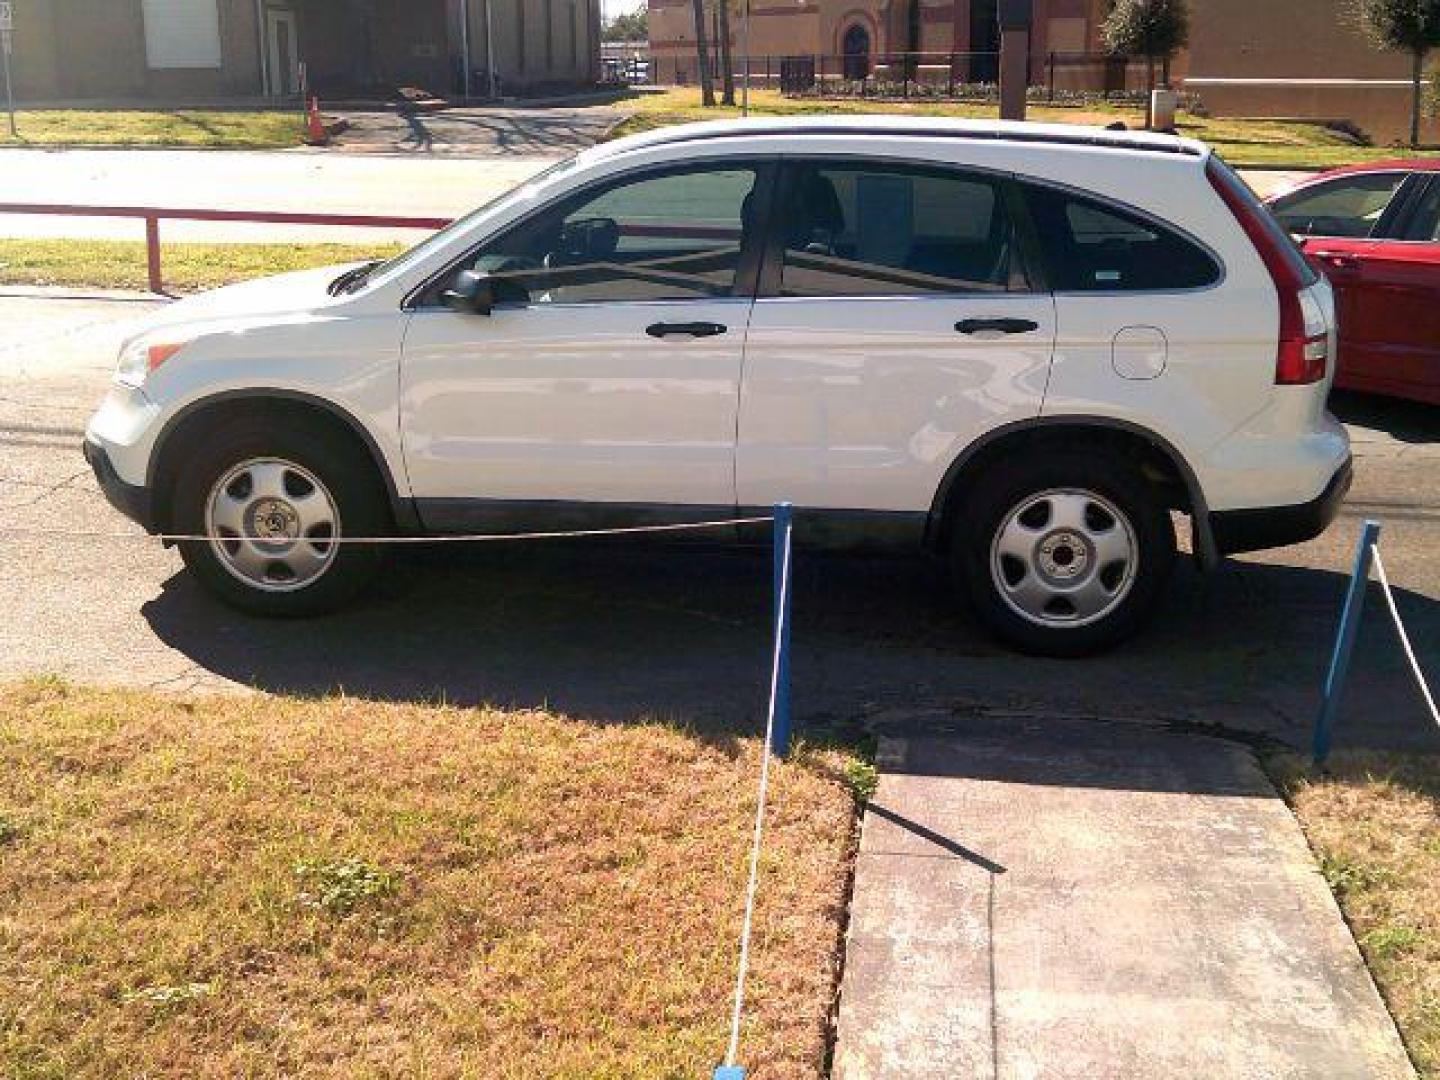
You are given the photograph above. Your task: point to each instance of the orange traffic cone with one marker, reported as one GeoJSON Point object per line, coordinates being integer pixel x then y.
{"type": "Point", "coordinates": [316, 135]}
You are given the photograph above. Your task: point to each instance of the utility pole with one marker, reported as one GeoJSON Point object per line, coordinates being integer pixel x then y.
{"type": "Point", "coordinates": [490, 51]}
{"type": "Point", "coordinates": [7, 27]}
{"type": "Point", "coordinates": [745, 48]}
{"type": "Point", "coordinates": [464, 49]}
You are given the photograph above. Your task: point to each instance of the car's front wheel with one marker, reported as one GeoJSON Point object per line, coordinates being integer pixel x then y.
{"type": "Point", "coordinates": [1062, 553]}
{"type": "Point", "coordinates": [273, 504]}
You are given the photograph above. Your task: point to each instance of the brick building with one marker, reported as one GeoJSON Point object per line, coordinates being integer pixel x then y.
{"type": "Point", "coordinates": [1273, 58]}
{"type": "Point", "coordinates": [172, 50]}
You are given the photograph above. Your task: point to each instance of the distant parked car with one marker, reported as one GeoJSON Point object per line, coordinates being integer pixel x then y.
{"type": "Point", "coordinates": [1374, 230]}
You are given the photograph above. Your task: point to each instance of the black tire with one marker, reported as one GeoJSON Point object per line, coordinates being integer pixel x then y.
{"type": "Point", "coordinates": [991, 504]}
{"type": "Point", "coordinates": [351, 483]}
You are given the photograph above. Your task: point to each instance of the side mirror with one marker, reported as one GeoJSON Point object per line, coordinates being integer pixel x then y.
{"type": "Point", "coordinates": [473, 291]}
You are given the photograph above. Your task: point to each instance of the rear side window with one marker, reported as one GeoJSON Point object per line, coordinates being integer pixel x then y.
{"type": "Point", "coordinates": [1090, 246]}
{"type": "Point", "coordinates": [888, 230]}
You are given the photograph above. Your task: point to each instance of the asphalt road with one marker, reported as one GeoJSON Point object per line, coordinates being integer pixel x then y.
{"type": "Point", "coordinates": [616, 632]}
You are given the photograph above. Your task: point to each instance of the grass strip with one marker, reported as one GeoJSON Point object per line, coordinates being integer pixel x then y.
{"type": "Point", "coordinates": [257, 886]}
{"type": "Point", "coordinates": [219, 128]}
{"type": "Point", "coordinates": [120, 264]}
{"type": "Point", "coordinates": [1373, 821]}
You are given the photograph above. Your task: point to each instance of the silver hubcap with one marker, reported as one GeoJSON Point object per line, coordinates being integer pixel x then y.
{"type": "Point", "coordinates": [1064, 558]}
{"type": "Point", "coordinates": [272, 524]}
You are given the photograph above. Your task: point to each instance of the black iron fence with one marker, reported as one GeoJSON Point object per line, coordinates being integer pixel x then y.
{"type": "Point", "coordinates": [959, 75]}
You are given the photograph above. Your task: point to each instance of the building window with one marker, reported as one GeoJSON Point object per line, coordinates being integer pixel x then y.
{"type": "Point", "coordinates": [857, 53]}
{"type": "Point", "coordinates": [181, 33]}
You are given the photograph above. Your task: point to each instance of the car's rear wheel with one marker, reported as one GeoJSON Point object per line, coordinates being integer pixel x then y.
{"type": "Point", "coordinates": [1062, 554]}
{"type": "Point", "coordinates": [273, 504]}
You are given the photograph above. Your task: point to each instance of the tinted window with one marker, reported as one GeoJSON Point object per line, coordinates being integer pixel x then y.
{"type": "Point", "coordinates": [861, 230]}
{"type": "Point", "coordinates": [1425, 224]}
{"type": "Point", "coordinates": [1095, 247]}
{"type": "Point", "coordinates": [672, 236]}
{"type": "Point", "coordinates": [1349, 207]}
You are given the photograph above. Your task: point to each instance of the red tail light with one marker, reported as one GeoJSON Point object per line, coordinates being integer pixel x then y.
{"type": "Point", "coordinates": [1303, 353]}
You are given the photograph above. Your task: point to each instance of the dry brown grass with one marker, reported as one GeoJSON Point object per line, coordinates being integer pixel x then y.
{"type": "Point", "coordinates": [1373, 821]}
{"type": "Point", "coordinates": [258, 886]}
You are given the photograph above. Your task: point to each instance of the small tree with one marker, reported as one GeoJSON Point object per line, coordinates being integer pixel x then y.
{"type": "Point", "coordinates": [1152, 29]}
{"type": "Point", "coordinates": [1411, 26]}
{"type": "Point", "coordinates": [628, 26]}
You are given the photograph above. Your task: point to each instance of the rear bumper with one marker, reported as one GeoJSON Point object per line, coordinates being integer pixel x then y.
{"type": "Point", "coordinates": [1236, 531]}
{"type": "Point", "coordinates": [134, 502]}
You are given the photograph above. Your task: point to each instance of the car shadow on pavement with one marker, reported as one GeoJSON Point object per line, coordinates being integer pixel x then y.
{"type": "Point", "coordinates": [630, 631]}
{"type": "Point", "coordinates": [1406, 421]}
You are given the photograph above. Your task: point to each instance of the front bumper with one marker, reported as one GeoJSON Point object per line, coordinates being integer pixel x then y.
{"type": "Point", "coordinates": [134, 502]}
{"type": "Point", "coordinates": [1237, 531]}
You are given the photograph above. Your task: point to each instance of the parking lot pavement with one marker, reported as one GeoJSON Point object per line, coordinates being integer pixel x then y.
{"type": "Point", "coordinates": [492, 132]}
{"type": "Point", "coordinates": [286, 180]}
{"type": "Point", "coordinates": [617, 631]}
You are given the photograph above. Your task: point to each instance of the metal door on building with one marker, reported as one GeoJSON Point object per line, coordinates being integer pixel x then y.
{"type": "Point", "coordinates": [282, 73]}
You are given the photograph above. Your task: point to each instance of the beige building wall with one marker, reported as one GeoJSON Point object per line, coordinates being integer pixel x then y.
{"type": "Point", "coordinates": [96, 49]}
{"type": "Point", "coordinates": [1298, 58]}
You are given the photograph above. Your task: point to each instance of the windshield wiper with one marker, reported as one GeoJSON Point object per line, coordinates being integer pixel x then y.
{"type": "Point", "coordinates": [352, 279]}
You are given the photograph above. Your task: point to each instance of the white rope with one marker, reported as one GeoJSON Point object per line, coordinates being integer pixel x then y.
{"type": "Point", "coordinates": [753, 885]}
{"type": "Point", "coordinates": [468, 538]}
{"type": "Point", "coordinates": [1404, 637]}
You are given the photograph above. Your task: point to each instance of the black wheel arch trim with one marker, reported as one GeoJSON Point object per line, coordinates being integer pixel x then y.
{"type": "Point", "coordinates": [403, 509]}
{"type": "Point", "coordinates": [1206, 550]}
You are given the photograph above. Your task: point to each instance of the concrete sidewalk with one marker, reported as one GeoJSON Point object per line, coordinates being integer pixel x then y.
{"type": "Point", "coordinates": [1046, 899]}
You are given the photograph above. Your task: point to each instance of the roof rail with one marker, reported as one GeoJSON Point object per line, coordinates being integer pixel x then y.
{"type": "Point", "coordinates": [1026, 133]}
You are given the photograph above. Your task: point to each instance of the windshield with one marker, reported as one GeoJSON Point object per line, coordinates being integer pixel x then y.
{"type": "Point", "coordinates": [417, 254]}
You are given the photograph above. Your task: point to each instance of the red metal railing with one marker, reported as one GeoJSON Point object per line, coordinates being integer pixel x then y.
{"type": "Point", "coordinates": [152, 216]}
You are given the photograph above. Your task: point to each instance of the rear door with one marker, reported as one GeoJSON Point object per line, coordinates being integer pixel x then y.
{"type": "Point", "coordinates": [895, 325]}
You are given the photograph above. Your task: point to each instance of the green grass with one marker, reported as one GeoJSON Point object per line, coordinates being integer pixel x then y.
{"type": "Point", "coordinates": [184, 128]}
{"type": "Point", "coordinates": [262, 886]}
{"type": "Point", "coordinates": [120, 264]}
{"type": "Point", "coordinates": [1271, 143]}
{"type": "Point", "coordinates": [1373, 821]}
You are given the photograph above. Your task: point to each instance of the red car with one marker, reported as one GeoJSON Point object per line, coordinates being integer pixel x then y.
{"type": "Point", "coordinates": [1374, 230]}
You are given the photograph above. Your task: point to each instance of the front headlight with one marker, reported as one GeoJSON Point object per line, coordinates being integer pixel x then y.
{"type": "Point", "coordinates": [142, 356]}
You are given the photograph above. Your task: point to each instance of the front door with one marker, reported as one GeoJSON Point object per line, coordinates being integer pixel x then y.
{"type": "Point", "coordinates": [1394, 334]}
{"type": "Point", "coordinates": [900, 328]}
{"type": "Point", "coordinates": [283, 72]}
{"type": "Point", "coordinates": [608, 371]}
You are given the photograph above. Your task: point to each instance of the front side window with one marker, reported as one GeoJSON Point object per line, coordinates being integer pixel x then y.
{"type": "Point", "coordinates": [1347, 208]}
{"type": "Point", "coordinates": [669, 236]}
{"type": "Point", "coordinates": [1097, 247]}
{"type": "Point", "coordinates": [882, 230]}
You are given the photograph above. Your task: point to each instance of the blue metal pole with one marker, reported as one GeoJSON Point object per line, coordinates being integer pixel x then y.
{"type": "Point", "coordinates": [1344, 642]}
{"type": "Point", "coordinates": [784, 586]}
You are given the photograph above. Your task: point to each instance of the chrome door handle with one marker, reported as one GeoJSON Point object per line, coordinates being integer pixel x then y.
{"type": "Point", "coordinates": [687, 329]}
{"type": "Point", "coordinates": [997, 326]}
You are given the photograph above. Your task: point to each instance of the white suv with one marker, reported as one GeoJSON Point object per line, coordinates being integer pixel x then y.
{"type": "Point", "coordinates": [1016, 346]}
